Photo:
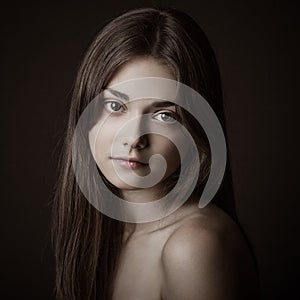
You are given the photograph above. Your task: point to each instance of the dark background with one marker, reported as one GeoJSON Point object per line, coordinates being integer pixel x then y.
{"type": "Point", "coordinates": [257, 46]}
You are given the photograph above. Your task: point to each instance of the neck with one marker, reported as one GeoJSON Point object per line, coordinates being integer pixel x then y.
{"type": "Point", "coordinates": [140, 196]}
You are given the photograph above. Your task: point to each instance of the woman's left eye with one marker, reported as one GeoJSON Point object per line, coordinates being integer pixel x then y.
{"type": "Point", "coordinates": [114, 106]}
{"type": "Point", "coordinates": [166, 117]}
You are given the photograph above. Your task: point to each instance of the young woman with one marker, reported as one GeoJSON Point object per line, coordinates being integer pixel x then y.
{"type": "Point", "coordinates": [191, 253]}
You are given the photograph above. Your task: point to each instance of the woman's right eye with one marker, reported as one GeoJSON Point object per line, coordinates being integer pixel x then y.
{"type": "Point", "coordinates": [114, 106]}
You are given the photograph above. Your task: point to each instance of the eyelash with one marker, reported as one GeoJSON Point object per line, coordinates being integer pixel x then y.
{"type": "Point", "coordinates": [112, 101]}
{"type": "Point", "coordinates": [173, 115]}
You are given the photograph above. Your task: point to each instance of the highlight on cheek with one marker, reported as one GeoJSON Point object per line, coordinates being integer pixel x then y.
{"type": "Point", "coordinates": [122, 165]}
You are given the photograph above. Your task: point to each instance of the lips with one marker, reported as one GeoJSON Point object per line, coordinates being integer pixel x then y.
{"type": "Point", "coordinates": [127, 162]}
{"type": "Point", "coordinates": [130, 159]}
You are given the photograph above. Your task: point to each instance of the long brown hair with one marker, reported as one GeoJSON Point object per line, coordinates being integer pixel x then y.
{"type": "Point", "coordinates": [86, 242]}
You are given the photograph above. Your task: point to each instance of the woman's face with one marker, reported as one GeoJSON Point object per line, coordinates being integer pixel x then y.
{"type": "Point", "coordinates": [132, 153]}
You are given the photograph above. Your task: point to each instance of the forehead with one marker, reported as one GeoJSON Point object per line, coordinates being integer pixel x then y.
{"type": "Point", "coordinates": [141, 67]}
{"type": "Point", "coordinates": [144, 77]}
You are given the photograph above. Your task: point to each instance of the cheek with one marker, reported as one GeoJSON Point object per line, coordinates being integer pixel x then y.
{"type": "Point", "coordinates": [101, 138]}
{"type": "Point", "coordinates": [169, 151]}
{"type": "Point", "coordinates": [173, 158]}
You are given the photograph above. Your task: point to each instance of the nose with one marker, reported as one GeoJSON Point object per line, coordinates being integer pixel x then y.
{"type": "Point", "coordinates": [134, 137]}
{"type": "Point", "coordinates": [138, 144]}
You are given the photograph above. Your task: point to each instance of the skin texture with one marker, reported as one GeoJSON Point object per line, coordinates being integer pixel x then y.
{"type": "Point", "coordinates": [195, 254]}
{"type": "Point", "coordinates": [192, 253]}
{"type": "Point", "coordinates": [206, 260]}
{"type": "Point", "coordinates": [117, 113]}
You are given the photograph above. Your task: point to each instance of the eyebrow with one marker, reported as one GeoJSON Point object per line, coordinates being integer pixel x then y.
{"type": "Point", "coordinates": [163, 104]}
{"type": "Point", "coordinates": [118, 94]}
{"type": "Point", "coordinates": [125, 97]}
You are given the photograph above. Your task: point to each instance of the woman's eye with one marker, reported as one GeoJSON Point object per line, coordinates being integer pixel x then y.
{"type": "Point", "coordinates": [114, 106]}
{"type": "Point", "coordinates": [166, 117]}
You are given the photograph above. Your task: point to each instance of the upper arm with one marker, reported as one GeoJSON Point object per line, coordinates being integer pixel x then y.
{"type": "Point", "coordinates": [199, 264]}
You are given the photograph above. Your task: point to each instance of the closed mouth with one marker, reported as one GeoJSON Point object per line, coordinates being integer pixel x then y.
{"type": "Point", "coordinates": [130, 163]}
{"type": "Point", "coordinates": [129, 160]}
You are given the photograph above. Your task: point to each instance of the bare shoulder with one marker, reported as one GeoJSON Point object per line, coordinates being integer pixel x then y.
{"type": "Point", "coordinates": [207, 256]}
